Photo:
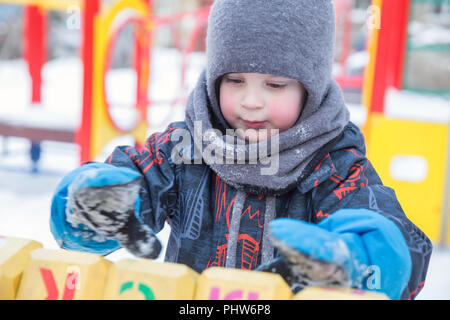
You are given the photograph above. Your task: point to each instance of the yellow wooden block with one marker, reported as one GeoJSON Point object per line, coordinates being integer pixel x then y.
{"type": "Point", "coordinates": [234, 284]}
{"type": "Point", "coordinates": [65, 275]}
{"type": "Point", "coordinates": [146, 279]}
{"type": "Point", "coordinates": [337, 293]}
{"type": "Point", "coordinates": [14, 254]}
{"type": "Point", "coordinates": [421, 197]}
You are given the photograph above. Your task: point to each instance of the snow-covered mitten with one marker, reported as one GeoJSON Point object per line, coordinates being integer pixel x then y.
{"type": "Point", "coordinates": [312, 256]}
{"type": "Point", "coordinates": [106, 200]}
{"type": "Point", "coordinates": [342, 249]}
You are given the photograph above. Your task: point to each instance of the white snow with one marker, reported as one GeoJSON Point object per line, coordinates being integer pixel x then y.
{"type": "Point", "coordinates": [428, 33]}
{"type": "Point", "coordinates": [60, 94]}
{"type": "Point", "coordinates": [357, 60]}
{"type": "Point", "coordinates": [417, 107]}
{"type": "Point", "coordinates": [358, 114]}
{"type": "Point", "coordinates": [25, 198]}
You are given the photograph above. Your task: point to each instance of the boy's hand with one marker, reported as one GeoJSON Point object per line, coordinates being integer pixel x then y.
{"type": "Point", "coordinates": [106, 200]}
{"type": "Point", "coordinates": [312, 255]}
{"type": "Point", "coordinates": [339, 249]}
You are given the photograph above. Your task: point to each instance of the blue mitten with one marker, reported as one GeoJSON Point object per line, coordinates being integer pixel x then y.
{"type": "Point", "coordinates": [105, 199]}
{"type": "Point", "coordinates": [342, 250]}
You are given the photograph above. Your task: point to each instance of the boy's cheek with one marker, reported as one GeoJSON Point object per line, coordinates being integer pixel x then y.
{"type": "Point", "coordinates": [227, 104]}
{"type": "Point", "coordinates": [284, 116]}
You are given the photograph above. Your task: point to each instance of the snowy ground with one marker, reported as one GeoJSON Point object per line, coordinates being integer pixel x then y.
{"type": "Point", "coordinates": [25, 197]}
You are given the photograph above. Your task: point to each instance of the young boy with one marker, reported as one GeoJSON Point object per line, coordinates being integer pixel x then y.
{"type": "Point", "coordinates": [320, 215]}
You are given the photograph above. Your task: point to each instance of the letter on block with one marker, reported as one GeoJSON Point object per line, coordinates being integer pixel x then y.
{"type": "Point", "coordinates": [14, 254]}
{"type": "Point", "coordinates": [233, 284]}
{"type": "Point", "coordinates": [338, 293]}
{"type": "Point", "coordinates": [146, 279]}
{"type": "Point", "coordinates": [66, 275]}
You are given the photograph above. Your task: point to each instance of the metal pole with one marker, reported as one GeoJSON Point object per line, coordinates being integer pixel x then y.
{"type": "Point", "coordinates": [91, 8]}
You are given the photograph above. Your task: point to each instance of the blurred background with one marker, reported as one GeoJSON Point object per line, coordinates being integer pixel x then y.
{"type": "Point", "coordinates": [72, 90]}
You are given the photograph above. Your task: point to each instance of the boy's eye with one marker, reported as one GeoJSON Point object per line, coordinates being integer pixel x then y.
{"type": "Point", "coordinates": [276, 85]}
{"type": "Point", "coordinates": [233, 80]}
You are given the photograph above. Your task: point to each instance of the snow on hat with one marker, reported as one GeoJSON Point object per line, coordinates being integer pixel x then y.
{"type": "Point", "coordinates": [290, 38]}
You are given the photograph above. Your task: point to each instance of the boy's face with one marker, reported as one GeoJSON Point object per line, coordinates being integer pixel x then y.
{"type": "Point", "coordinates": [260, 101]}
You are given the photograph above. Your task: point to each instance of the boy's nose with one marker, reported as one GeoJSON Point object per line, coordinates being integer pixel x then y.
{"type": "Point", "coordinates": [252, 100]}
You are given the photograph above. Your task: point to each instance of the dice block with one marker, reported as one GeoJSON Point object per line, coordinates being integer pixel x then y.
{"type": "Point", "coordinates": [146, 279]}
{"type": "Point", "coordinates": [233, 284]}
{"type": "Point", "coordinates": [14, 254]}
{"type": "Point", "coordinates": [337, 293]}
{"type": "Point", "coordinates": [63, 275]}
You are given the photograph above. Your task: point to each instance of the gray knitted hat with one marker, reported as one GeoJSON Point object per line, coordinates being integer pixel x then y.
{"type": "Point", "coordinates": [290, 38]}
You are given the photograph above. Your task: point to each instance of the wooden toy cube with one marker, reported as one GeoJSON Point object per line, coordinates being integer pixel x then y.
{"type": "Point", "coordinates": [14, 254]}
{"type": "Point", "coordinates": [337, 293]}
{"type": "Point", "coordinates": [234, 284]}
{"type": "Point", "coordinates": [147, 279]}
{"type": "Point", "coordinates": [62, 274]}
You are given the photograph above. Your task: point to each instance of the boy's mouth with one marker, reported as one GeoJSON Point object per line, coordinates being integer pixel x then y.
{"type": "Point", "coordinates": [255, 124]}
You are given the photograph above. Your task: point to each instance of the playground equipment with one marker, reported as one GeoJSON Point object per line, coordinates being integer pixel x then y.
{"type": "Point", "coordinates": [98, 36]}
{"type": "Point", "coordinates": [394, 143]}
{"type": "Point", "coordinates": [101, 27]}
{"type": "Point", "coordinates": [28, 271]}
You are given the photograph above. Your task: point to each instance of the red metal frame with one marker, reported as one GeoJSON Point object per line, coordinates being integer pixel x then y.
{"type": "Point", "coordinates": [390, 54]}
{"type": "Point", "coordinates": [35, 47]}
{"type": "Point", "coordinates": [82, 137]}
